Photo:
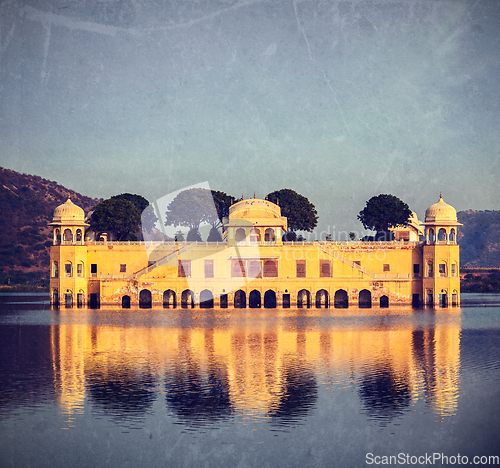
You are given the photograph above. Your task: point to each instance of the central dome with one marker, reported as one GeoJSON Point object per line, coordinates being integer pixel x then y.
{"type": "Point", "coordinates": [441, 212]}
{"type": "Point", "coordinates": [254, 208]}
{"type": "Point", "coordinates": [68, 212]}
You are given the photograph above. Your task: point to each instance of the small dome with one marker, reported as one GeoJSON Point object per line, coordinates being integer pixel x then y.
{"type": "Point", "coordinates": [440, 213]}
{"type": "Point", "coordinates": [68, 212]}
{"type": "Point", "coordinates": [254, 208]}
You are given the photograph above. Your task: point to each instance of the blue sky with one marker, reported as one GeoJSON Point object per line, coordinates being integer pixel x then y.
{"type": "Point", "coordinates": [338, 100]}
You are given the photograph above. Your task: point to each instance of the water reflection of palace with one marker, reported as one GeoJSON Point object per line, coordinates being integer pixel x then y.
{"type": "Point", "coordinates": [261, 369]}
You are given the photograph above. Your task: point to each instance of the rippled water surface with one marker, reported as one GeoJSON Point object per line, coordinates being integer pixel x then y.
{"type": "Point", "coordinates": [246, 388]}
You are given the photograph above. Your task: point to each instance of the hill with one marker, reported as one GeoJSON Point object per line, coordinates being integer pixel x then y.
{"type": "Point", "coordinates": [26, 206]}
{"type": "Point", "coordinates": [27, 203]}
{"type": "Point", "coordinates": [479, 239]}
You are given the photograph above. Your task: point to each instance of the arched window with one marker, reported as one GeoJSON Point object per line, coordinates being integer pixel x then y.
{"type": "Point", "coordinates": [270, 269]}
{"type": "Point", "coordinates": [430, 269]}
{"type": "Point", "coordinates": [452, 236]}
{"type": "Point", "coordinates": [431, 235]}
{"type": "Point", "coordinates": [68, 270]}
{"type": "Point", "coordinates": [55, 272]}
{"type": "Point", "coordinates": [269, 236]}
{"type": "Point", "coordinates": [442, 235]}
{"type": "Point", "coordinates": [78, 235]}
{"type": "Point", "coordinates": [68, 236]}
{"type": "Point", "coordinates": [240, 236]}
{"type": "Point", "coordinates": [255, 236]}
{"type": "Point", "coordinates": [79, 269]}
{"type": "Point", "coordinates": [57, 237]}
{"type": "Point", "coordinates": [384, 301]}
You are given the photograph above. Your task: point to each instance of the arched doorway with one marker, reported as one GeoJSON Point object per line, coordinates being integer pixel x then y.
{"type": "Point", "coordinates": [365, 299]}
{"type": "Point", "coordinates": [187, 299]}
{"type": "Point", "coordinates": [169, 299]}
{"type": "Point", "coordinates": [254, 299]}
{"type": "Point", "coordinates": [79, 298]}
{"type": "Point", "coordinates": [126, 302]}
{"type": "Point", "coordinates": [303, 299]}
{"type": "Point", "coordinates": [94, 301]}
{"type": "Point", "coordinates": [68, 298]}
{"type": "Point", "coordinates": [270, 299]}
{"type": "Point", "coordinates": [443, 299]}
{"type": "Point", "coordinates": [240, 299]}
{"type": "Point", "coordinates": [55, 297]}
{"type": "Point", "coordinates": [341, 299]}
{"type": "Point", "coordinates": [454, 298]}
{"type": "Point", "coordinates": [384, 302]}
{"type": "Point", "coordinates": [145, 299]}
{"type": "Point", "coordinates": [206, 299]}
{"type": "Point", "coordinates": [322, 299]}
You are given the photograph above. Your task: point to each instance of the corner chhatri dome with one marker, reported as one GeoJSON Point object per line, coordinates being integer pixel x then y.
{"type": "Point", "coordinates": [68, 212]}
{"type": "Point", "coordinates": [441, 213]}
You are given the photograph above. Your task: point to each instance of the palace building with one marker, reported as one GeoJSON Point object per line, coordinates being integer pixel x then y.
{"type": "Point", "coordinates": [254, 268]}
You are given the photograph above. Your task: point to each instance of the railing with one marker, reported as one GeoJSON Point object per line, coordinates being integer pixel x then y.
{"type": "Point", "coordinates": [158, 243]}
{"type": "Point", "coordinates": [354, 265]}
{"type": "Point", "coordinates": [356, 244]}
{"type": "Point", "coordinates": [113, 276]}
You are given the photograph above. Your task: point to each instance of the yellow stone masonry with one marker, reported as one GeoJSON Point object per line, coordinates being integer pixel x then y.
{"type": "Point", "coordinates": [254, 268]}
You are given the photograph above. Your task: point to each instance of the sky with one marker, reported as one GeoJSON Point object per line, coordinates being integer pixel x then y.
{"type": "Point", "coordinates": [337, 100]}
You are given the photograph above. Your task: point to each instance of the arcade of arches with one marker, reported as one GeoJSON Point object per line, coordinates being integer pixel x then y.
{"type": "Point", "coordinates": [254, 299]}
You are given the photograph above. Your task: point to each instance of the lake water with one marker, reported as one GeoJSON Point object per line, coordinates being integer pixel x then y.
{"type": "Point", "coordinates": [248, 388]}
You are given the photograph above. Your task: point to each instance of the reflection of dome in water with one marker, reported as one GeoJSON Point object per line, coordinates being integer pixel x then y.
{"type": "Point", "coordinates": [68, 212]}
{"type": "Point", "coordinates": [440, 212]}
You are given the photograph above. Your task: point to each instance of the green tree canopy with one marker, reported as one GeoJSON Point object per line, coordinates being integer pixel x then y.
{"type": "Point", "coordinates": [148, 216]}
{"type": "Point", "coordinates": [383, 212]}
{"type": "Point", "coordinates": [118, 216]}
{"type": "Point", "coordinates": [222, 202]}
{"type": "Point", "coordinates": [191, 208]}
{"type": "Point", "coordinates": [137, 200]}
{"type": "Point", "coordinates": [300, 212]}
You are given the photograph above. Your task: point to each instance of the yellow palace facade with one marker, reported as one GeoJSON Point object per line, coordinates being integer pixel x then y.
{"type": "Point", "coordinates": [254, 268]}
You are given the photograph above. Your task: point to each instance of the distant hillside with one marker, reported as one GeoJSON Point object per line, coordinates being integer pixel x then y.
{"type": "Point", "coordinates": [479, 239]}
{"type": "Point", "coordinates": [27, 203]}
{"type": "Point", "coordinates": [26, 206]}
